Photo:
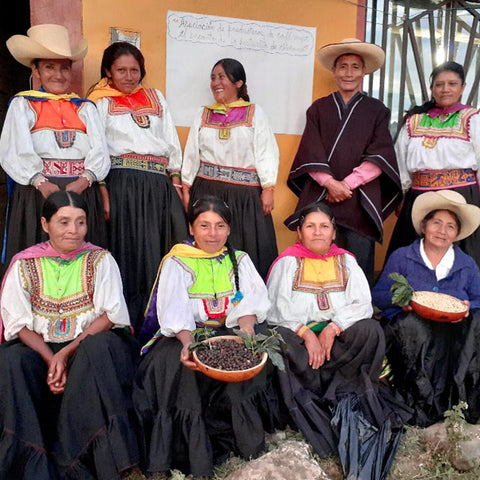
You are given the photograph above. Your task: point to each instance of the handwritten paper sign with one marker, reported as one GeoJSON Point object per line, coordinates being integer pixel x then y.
{"type": "Point", "coordinates": [278, 60]}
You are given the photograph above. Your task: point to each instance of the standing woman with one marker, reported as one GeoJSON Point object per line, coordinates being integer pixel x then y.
{"type": "Point", "coordinates": [231, 152]}
{"type": "Point", "coordinates": [438, 148]}
{"type": "Point", "coordinates": [146, 214]}
{"type": "Point", "coordinates": [51, 139]}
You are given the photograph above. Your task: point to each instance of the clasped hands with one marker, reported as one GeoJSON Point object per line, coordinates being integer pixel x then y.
{"type": "Point", "coordinates": [319, 347]}
{"type": "Point", "coordinates": [338, 190]}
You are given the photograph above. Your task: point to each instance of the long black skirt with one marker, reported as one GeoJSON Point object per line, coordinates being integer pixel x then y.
{"type": "Point", "coordinates": [191, 422]}
{"type": "Point", "coordinates": [250, 230]}
{"type": "Point", "coordinates": [342, 408]}
{"type": "Point", "coordinates": [23, 225]}
{"type": "Point", "coordinates": [86, 433]}
{"type": "Point", "coordinates": [146, 219]}
{"type": "Point", "coordinates": [404, 234]}
{"type": "Point", "coordinates": [435, 365]}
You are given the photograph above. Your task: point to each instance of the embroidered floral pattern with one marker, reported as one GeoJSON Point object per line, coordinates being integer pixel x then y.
{"type": "Point", "coordinates": [144, 102]}
{"type": "Point", "coordinates": [237, 117]}
{"type": "Point", "coordinates": [61, 313]}
{"type": "Point", "coordinates": [321, 286]}
{"type": "Point", "coordinates": [457, 126]}
{"type": "Point", "coordinates": [65, 138]}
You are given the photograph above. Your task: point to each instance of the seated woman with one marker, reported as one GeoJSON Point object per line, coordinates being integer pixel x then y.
{"type": "Point", "coordinates": [322, 305]}
{"type": "Point", "coordinates": [189, 421]}
{"type": "Point", "coordinates": [435, 365]}
{"type": "Point", "coordinates": [67, 368]}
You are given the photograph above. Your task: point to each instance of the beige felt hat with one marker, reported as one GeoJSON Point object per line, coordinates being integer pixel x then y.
{"type": "Point", "coordinates": [425, 203]}
{"type": "Point", "coordinates": [45, 41]}
{"type": "Point", "coordinates": [372, 55]}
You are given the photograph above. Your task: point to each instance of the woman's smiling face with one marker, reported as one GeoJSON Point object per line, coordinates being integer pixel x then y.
{"type": "Point", "coordinates": [210, 231]}
{"type": "Point", "coordinates": [223, 89]}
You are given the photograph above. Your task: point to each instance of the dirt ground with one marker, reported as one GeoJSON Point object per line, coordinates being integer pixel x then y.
{"type": "Point", "coordinates": [414, 461]}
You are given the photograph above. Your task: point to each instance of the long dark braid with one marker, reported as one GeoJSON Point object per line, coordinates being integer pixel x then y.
{"type": "Point", "coordinates": [233, 258]}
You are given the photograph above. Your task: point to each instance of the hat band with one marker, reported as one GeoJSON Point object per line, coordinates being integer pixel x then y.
{"type": "Point", "coordinates": [443, 179]}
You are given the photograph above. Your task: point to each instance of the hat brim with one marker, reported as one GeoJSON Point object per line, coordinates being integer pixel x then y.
{"type": "Point", "coordinates": [469, 215]}
{"type": "Point", "coordinates": [25, 50]}
{"type": "Point", "coordinates": [373, 56]}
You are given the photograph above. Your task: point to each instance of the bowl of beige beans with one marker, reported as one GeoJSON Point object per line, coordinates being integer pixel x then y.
{"type": "Point", "coordinates": [439, 307]}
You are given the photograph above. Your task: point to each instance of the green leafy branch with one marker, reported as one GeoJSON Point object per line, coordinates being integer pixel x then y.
{"type": "Point", "coordinates": [271, 344]}
{"type": "Point", "coordinates": [401, 289]}
{"type": "Point", "coordinates": [199, 335]}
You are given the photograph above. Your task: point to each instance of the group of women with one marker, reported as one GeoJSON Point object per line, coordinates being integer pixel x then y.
{"type": "Point", "coordinates": [124, 156]}
{"type": "Point", "coordinates": [80, 402]}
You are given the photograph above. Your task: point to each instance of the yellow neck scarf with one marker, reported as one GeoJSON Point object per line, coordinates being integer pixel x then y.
{"type": "Point", "coordinates": [104, 89]}
{"type": "Point", "coordinates": [183, 250]}
{"type": "Point", "coordinates": [50, 96]}
{"type": "Point", "coordinates": [222, 107]}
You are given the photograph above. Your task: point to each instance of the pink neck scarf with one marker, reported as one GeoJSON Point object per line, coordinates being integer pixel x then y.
{"type": "Point", "coordinates": [298, 249]}
{"type": "Point", "coordinates": [39, 250]}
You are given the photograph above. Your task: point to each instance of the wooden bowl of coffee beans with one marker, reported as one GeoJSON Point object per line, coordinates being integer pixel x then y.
{"type": "Point", "coordinates": [228, 360]}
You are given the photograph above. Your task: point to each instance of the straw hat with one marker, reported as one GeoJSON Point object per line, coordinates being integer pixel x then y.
{"type": "Point", "coordinates": [373, 56]}
{"type": "Point", "coordinates": [425, 203]}
{"type": "Point", "coordinates": [45, 41]}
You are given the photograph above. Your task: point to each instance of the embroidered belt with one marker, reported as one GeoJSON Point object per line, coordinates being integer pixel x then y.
{"type": "Point", "coordinates": [56, 167]}
{"type": "Point", "coordinates": [147, 163]}
{"type": "Point", "coordinates": [316, 327]}
{"type": "Point", "coordinates": [239, 176]}
{"type": "Point", "coordinates": [212, 323]}
{"type": "Point", "coordinates": [443, 179]}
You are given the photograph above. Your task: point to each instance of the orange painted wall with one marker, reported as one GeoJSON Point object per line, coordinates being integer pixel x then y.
{"type": "Point", "coordinates": [333, 19]}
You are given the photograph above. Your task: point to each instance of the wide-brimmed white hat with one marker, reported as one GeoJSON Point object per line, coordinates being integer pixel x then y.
{"type": "Point", "coordinates": [373, 56]}
{"type": "Point", "coordinates": [45, 41]}
{"type": "Point", "coordinates": [455, 202]}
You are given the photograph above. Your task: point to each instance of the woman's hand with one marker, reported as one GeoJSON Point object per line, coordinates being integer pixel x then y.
{"type": "Point", "coordinates": [467, 313]}
{"type": "Point", "coordinates": [313, 348]}
{"type": "Point", "coordinates": [326, 339]}
{"type": "Point", "coordinates": [78, 185]}
{"type": "Point", "coordinates": [57, 371]}
{"type": "Point", "coordinates": [105, 201]}
{"type": "Point", "coordinates": [186, 338]}
{"type": "Point", "coordinates": [186, 359]}
{"type": "Point", "coordinates": [247, 324]}
{"type": "Point", "coordinates": [267, 201]}
{"type": "Point", "coordinates": [47, 188]}
{"type": "Point", "coordinates": [185, 197]}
